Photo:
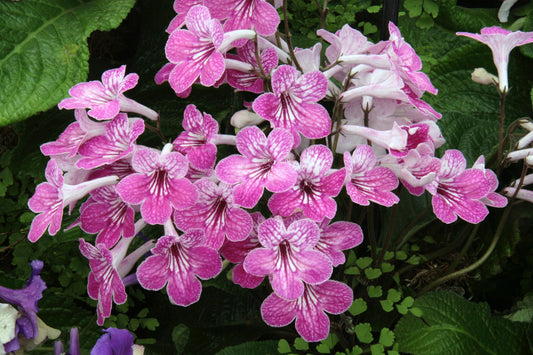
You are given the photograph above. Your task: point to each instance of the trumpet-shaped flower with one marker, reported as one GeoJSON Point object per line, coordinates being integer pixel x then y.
{"type": "Point", "coordinates": [501, 42]}
{"type": "Point", "coordinates": [106, 98]}
{"type": "Point", "coordinates": [176, 262]}
{"type": "Point", "coordinates": [314, 189]}
{"type": "Point", "coordinates": [262, 164]}
{"type": "Point", "coordinates": [456, 190]}
{"type": "Point", "coordinates": [195, 141]}
{"type": "Point", "coordinates": [368, 182]}
{"type": "Point", "coordinates": [311, 322]}
{"type": "Point", "coordinates": [216, 213]}
{"type": "Point", "coordinates": [293, 105]}
{"type": "Point", "coordinates": [288, 257]}
{"type": "Point", "coordinates": [158, 184]}
{"type": "Point", "coordinates": [52, 196]}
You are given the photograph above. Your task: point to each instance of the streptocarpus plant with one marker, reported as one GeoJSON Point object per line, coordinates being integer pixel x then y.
{"type": "Point", "coordinates": [379, 132]}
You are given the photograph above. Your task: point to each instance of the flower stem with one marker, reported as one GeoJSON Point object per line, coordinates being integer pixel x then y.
{"type": "Point", "coordinates": [500, 135]}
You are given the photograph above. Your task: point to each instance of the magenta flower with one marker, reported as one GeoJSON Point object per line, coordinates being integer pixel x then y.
{"type": "Point", "coordinates": [177, 261]}
{"type": "Point", "coordinates": [105, 98]}
{"type": "Point", "coordinates": [182, 8]}
{"type": "Point", "coordinates": [106, 214]}
{"type": "Point", "coordinates": [263, 163]}
{"type": "Point", "coordinates": [158, 184]}
{"type": "Point", "coordinates": [501, 42]}
{"type": "Point", "coordinates": [236, 252]}
{"type": "Point", "coordinates": [52, 196]}
{"type": "Point", "coordinates": [195, 142]}
{"type": "Point", "coordinates": [336, 237]}
{"type": "Point", "coordinates": [293, 105]}
{"type": "Point", "coordinates": [366, 180]}
{"type": "Point", "coordinates": [245, 14]}
{"type": "Point", "coordinates": [457, 190]}
{"type": "Point", "coordinates": [314, 189]}
{"type": "Point", "coordinates": [311, 322]}
{"type": "Point", "coordinates": [216, 213]}
{"type": "Point", "coordinates": [195, 51]}
{"type": "Point", "coordinates": [492, 198]}
{"type": "Point", "coordinates": [288, 257]}
{"type": "Point", "coordinates": [117, 143]}
{"type": "Point", "coordinates": [108, 267]}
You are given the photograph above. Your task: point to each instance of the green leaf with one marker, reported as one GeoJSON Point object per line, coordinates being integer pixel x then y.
{"type": "Point", "coordinates": [415, 311]}
{"type": "Point", "coordinates": [452, 325]}
{"type": "Point", "coordinates": [431, 8]}
{"type": "Point", "coordinates": [358, 306]}
{"type": "Point", "coordinates": [353, 270]}
{"type": "Point", "coordinates": [425, 21]}
{"type": "Point", "coordinates": [44, 52]}
{"type": "Point", "coordinates": [414, 7]}
{"type": "Point", "coordinates": [408, 301]}
{"type": "Point", "coordinates": [374, 291]}
{"type": "Point", "coordinates": [387, 305]}
{"type": "Point", "coordinates": [373, 9]}
{"type": "Point", "coordinates": [327, 344]}
{"type": "Point", "coordinates": [372, 273]}
{"type": "Point", "coordinates": [377, 349]}
{"type": "Point", "coordinates": [387, 267]}
{"type": "Point", "coordinates": [524, 312]}
{"type": "Point", "coordinates": [252, 347]}
{"type": "Point", "coordinates": [283, 346]}
{"type": "Point", "coordinates": [388, 255]}
{"type": "Point", "coordinates": [386, 337]}
{"type": "Point", "coordinates": [300, 344]}
{"type": "Point", "coordinates": [364, 333]}
{"type": "Point", "coordinates": [180, 337]}
{"type": "Point", "coordinates": [394, 295]}
{"type": "Point", "coordinates": [363, 263]}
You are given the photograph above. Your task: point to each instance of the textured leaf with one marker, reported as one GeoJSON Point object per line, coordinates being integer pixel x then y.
{"type": "Point", "coordinates": [364, 333]}
{"type": "Point", "coordinates": [180, 337]}
{"type": "Point", "coordinates": [452, 325]}
{"type": "Point", "coordinates": [43, 50]}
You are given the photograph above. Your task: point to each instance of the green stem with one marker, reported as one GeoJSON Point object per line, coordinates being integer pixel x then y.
{"type": "Point", "coordinates": [500, 135]}
{"type": "Point", "coordinates": [288, 37]}
{"type": "Point", "coordinates": [465, 248]}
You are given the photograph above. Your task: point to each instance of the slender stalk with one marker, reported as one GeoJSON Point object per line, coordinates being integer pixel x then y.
{"type": "Point", "coordinates": [465, 248]}
{"type": "Point", "coordinates": [288, 37]}
{"type": "Point", "coordinates": [500, 135]}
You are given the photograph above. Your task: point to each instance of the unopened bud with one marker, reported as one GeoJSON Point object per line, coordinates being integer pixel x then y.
{"type": "Point", "coordinates": [244, 118]}
{"type": "Point", "coordinates": [481, 76]}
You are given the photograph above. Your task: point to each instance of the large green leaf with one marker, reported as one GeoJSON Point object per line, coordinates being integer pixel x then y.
{"type": "Point", "coordinates": [43, 50]}
{"type": "Point", "coordinates": [452, 325]}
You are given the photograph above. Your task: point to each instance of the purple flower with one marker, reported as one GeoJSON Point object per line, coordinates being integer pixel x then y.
{"type": "Point", "coordinates": [293, 105]}
{"type": "Point", "coordinates": [114, 342]}
{"type": "Point", "coordinates": [311, 322]}
{"type": "Point", "coordinates": [501, 42]}
{"type": "Point", "coordinates": [177, 261]}
{"type": "Point", "coordinates": [367, 181]}
{"type": "Point", "coordinates": [105, 98]}
{"type": "Point", "coordinates": [262, 164]}
{"type": "Point", "coordinates": [117, 143]}
{"type": "Point", "coordinates": [288, 256]}
{"type": "Point", "coordinates": [456, 190]}
{"type": "Point", "coordinates": [52, 196]}
{"type": "Point", "coordinates": [159, 184]}
{"type": "Point", "coordinates": [314, 189]}
{"type": "Point", "coordinates": [196, 141]}
{"type": "Point", "coordinates": [216, 213]}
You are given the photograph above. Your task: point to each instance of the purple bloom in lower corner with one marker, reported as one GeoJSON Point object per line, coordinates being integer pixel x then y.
{"type": "Point", "coordinates": [115, 342]}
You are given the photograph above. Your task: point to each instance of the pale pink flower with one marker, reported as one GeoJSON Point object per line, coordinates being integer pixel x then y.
{"type": "Point", "coordinates": [456, 190]}
{"type": "Point", "coordinates": [216, 213]}
{"type": "Point", "coordinates": [336, 237]}
{"type": "Point", "coordinates": [366, 181]}
{"type": "Point", "coordinates": [311, 322]}
{"type": "Point", "coordinates": [182, 8]}
{"type": "Point", "coordinates": [314, 189]}
{"type": "Point", "coordinates": [263, 163]}
{"type": "Point", "coordinates": [117, 143]}
{"type": "Point", "coordinates": [492, 198]}
{"type": "Point", "coordinates": [177, 261]}
{"type": "Point", "coordinates": [288, 256]}
{"type": "Point", "coordinates": [501, 42]}
{"type": "Point", "coordinates": [293, 105]}
{"type": "Point", "coordinates": [196, 141]}
{"type": "Point", "coordinates": [158, 184]}
{"type": "Point", "coordinates": [52, 196]}
{"type": "Point", "coordinates": [106, 98]}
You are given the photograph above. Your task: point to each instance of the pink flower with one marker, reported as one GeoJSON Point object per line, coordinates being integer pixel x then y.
{"type": "Point", "coordinates": [501, 42]}
{"type": "Point", "coordinates": [196, 141]}
{"type": "Point", "coordinates": [158, 184]}
{"type": "Point", "coordinates": [492, 198]}
{"type": "Point", "coordinates": [311, 322]}
{"type": "Point", "coordinates": [216, 213]}
{"type": "Point", "coordinates": [293, 105]}
{"type": "Point", "coordinates": [195, 51]}
{"type": "Point", "coordinates": [105, 98]}
{"type": "Point", "coordinates": [367, 181]}
{"type": "Point", "coordinates": [52, 196]}
{"type": "Point", "coordinates": [117, 143]}
{"type": "Point", "coordinates": [236, 252]}
{"type": "Point", "coordinates": [314, 189]}
{"type": "Point", "coordinates": [263, 163]}
{"type": "Point", "coordinates": [177, 261]}
{"type": "Point", "coordinates": [336, 237]}
{"type": "Point", "coordinates": [457, 190]}
{"type": "Point", "coordinates": [245, 14]}
{"type": "Point", "coordinates": [288, 257]}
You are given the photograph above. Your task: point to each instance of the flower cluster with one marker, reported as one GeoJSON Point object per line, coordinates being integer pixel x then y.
{"type": "Point", "coordinates": [210, 209]}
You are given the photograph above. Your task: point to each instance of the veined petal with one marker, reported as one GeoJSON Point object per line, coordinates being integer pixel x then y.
{"type": "Point", "coordinates": [238, 225]}
{"type": "Point", "coordinates": [285, 283]}
{"type": "Point", "coordinates": [232, 169]}
{"type": "Point", "coordinates": [312, 324]}
{"type": "Point", "coordinates": [251, 142]}
{"type": "Point", "coordinates": [271, 232]}
{"type": "Point", "coordinates": [260, 262]}
{"type": "Point", "coordinates": [183, 288]}
{"type": "Point", "coordinates": [314, 267]}
{"type": "Point", "coordinates": [205, 262]}
{"type": "Point", "coordinates": [278, 312]}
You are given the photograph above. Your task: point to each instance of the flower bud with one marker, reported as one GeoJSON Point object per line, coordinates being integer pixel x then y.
{"type": "Point", "coordinates": [481, 76]}
{"type": "Point", "coordinates": [244, 118]}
